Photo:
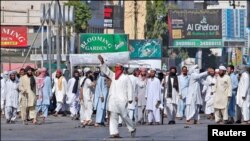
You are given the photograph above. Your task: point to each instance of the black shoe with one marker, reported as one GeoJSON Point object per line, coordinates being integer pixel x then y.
{"type": "Point", "coordinates": [157, 123]}
{"type": "Point", "coordinates": [25, 122]}
{"type": "Point", "coordinates": [230, 121]}
{"type": "Point", "coordinates": [64, 114]}
{"type": "Point", "coordinates": [226, 122]}
{"type": "Point", "coordinates": [133, 133]}
{"type": "Point", "coordinates": [171, 122]}
{"type": "Point", "coordinates": [7, 121]}
{"type": "Point", "coordinates": [120, 125]}
{"type": "Point", "coordinates": [12, 122]}
{"type": "Point", "coordinates": [238, 122]}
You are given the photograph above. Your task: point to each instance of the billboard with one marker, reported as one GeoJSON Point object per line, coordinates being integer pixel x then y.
{"type": "Point", "coordinates": [14, 36]}
{"type": "Point", "coordinates": [145, 49]}
{"type": "Point", "coordinates": [103, 43]}
{"type": "Point", "coordinates": [108, 16]}
{"type": "Point", "coordinates": [195, 28]}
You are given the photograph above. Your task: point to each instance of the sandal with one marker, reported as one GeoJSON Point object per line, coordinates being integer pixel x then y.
{"type": "Point", "coordinates": [97, 125]}
{"type": "Point", "coordinates": [89, 123]}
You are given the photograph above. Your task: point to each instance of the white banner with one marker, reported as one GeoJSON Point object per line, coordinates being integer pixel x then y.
{"type": "Point", "coordinates": [146, 63]}
{"type": "Point", "coordinates": [92, 59]}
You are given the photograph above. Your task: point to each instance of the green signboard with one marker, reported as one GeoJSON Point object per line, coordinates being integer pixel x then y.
{"type": "Point", "coordinates": [145, 49]}
{"type": "Point", "coordinates": [198, 43]}
{"type": "Point", "coordinates": [103, 43]}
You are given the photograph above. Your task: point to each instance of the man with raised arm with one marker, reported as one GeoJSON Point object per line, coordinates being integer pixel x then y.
{"type": "Point", "coordinates": [120, 95]}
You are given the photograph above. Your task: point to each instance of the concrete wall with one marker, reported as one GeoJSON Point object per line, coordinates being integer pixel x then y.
{"type": "Point", "coordinates": [21, 12]}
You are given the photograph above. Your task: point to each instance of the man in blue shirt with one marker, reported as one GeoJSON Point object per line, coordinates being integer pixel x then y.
{"type": "Point", "coordinates": [232, 103]}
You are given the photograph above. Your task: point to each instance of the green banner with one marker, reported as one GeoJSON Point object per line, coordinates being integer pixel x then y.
{"type": "Point", "coordinates": [103, 43]}
{"type": "Point", "coordinates": [145, 49]}
{"type": "Point", "coordinates": [198, 43]}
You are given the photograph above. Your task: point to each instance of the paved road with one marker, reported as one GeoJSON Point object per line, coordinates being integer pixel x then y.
{"type": "Point", "coordinates": [63, 128]}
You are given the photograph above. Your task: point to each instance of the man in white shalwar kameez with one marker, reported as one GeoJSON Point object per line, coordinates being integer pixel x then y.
{"type": "Point", "coordinates": [208, 89]}
{"type": "Point", "coordinates": [141, 91]}
{"type": "Point", "coordinates": [120, 94]}
{"type": "Point", "coordinates": [194, 99]}
{"type": "Point", "coordinates": [183, 85]}
{"type": "Point", "coordinates": [11, 98]}
{"type": "Point", "coordinates": [86, 98]}
{"type": "Point", "coordinates": [73, 90]}
{"type": "Point", "coordinates": [243, 94]}
{"type": "Point", "coordinates": [132, 108]}
{"type": "Point", "coordinates": [172, 94]}
{"type": "Point", "coordinates": [223, 93]}
{"type": "Point", "coordinates": [153, 96]}
{"type": "Point", "coordinates": [60, 89]}
{"type": "Point", "coordinates": [3, 91]}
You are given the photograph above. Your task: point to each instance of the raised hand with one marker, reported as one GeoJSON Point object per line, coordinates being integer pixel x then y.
{"type": "Point", "coordinates": [101, 59]}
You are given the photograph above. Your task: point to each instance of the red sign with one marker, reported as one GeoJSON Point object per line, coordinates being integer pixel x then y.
{"type": "Point", "coordinates": [108, 16]}
{"type": "Point", "coordinates": [12, 37]}
{"type": "Point", "coordinates": [108, 12]}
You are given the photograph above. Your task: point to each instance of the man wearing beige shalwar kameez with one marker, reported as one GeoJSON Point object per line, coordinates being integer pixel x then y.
{"type": "Point", "coordinates": [27, 89]}
{"type": "Point", "coordinates": [223, 93]}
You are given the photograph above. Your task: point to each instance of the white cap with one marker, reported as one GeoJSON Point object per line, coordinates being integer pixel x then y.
{"type": "Point", "coordinates": [86, 70]}
{"type": "Point", "coordinates": [12, 72]}
{"type": "Point", "coordinates": [5, 73]}
{"type": "Point", "coordinates": [222, 68]}
{"type": "Point", "coordinates": [130, 70]}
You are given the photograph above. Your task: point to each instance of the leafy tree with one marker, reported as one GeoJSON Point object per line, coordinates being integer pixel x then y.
{"type": "Point", "coordinates": [82, 14]}
{"type": "Point", "coordinates": [156, 18]}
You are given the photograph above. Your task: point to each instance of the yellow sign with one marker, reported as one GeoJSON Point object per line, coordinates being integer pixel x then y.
{"type": "Point", "coordinates": [176, 34]}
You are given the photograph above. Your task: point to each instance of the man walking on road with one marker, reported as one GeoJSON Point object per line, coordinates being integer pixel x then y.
{"type": "Point", "coordinates": [120, 94]}
{"type": "Point", "coordinates": [223, 93]}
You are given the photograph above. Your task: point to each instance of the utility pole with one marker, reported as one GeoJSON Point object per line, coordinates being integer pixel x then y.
{"type": "Point", "coordinates": [135, 18]}
{"type": "Point", "coordinates": [48, 20]}
{"type": "Point", "coordinates": [248, 14]}
{"type": "Point", "coordinates": [57, 26]}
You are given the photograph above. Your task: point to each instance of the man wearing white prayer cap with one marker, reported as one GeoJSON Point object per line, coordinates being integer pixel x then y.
{"type": "Point", "coordinates": [3, 91]}
{"type": "Point", "coordinates": [223, 93]}
{"type": "Point", "coordinates": [153, 98]}
{"type": "Point", "coordinates": [85, 70]}
{"type": "Point", "coordinates": [11, 97]}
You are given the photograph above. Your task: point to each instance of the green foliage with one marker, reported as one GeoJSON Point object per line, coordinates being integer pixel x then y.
{"type": "Point", "coordinates": [156, 18]}
{"type": "Point", "coordinates": [82, 14]}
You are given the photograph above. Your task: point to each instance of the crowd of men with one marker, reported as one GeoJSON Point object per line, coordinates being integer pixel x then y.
{"type": "Point", "coordinates": [127, 95]}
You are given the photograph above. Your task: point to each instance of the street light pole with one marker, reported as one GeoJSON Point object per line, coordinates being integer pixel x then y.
{"type": "Point", "coordinates": [57, 10]}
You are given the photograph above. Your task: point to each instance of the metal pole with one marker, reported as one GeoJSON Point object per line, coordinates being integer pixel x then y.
{"type": "Point", "coordinates": [66, 40]}
{"type": "Point", "coordinates": [49, 47]}
{"type": "Point", "coordinates": [63, 45]}
{"type": "Point", "coordinates": [200, 58]}
{"type": "Point", "coordinates": [57, 36]}
{"type": "Point", "coordinates": [42, 47]}
{"type": "Point", "coordinates": [248, 14]}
